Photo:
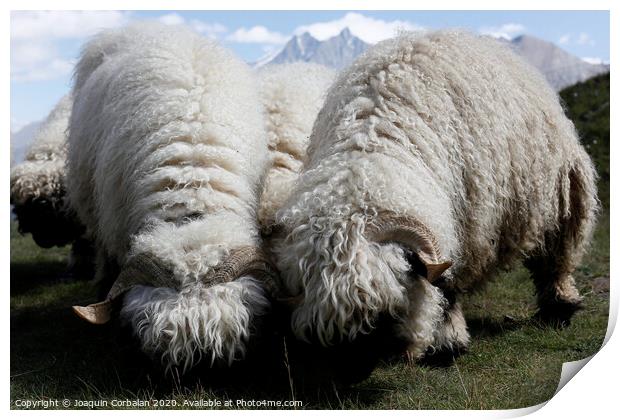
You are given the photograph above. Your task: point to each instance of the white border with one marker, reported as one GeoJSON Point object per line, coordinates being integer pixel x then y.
{"type": "Point", "coordinates": [591, 394]}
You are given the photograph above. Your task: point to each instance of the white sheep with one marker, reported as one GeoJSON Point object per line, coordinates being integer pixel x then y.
{"type": "Point", "coordinates": [436, 160]}
{"type": "Point", "coordinates": [167, 150]}
{"type": "Point", "coordinates": [37, 184]}
{"type": "Point", "coordinates": [38, 192]}
{"type": "Point", "coordinates": [292, 95]}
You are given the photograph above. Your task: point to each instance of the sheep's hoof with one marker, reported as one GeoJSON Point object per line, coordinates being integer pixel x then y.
{"type": "Point", "coordinates": [557, 314]}
{"type": "Point", "coordinates": [442, 357]}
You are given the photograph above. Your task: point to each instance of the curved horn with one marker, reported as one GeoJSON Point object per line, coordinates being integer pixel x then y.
{"type": "Point", "coordinates": [143, 269]}
{"type": "Point", "coordinates": [409, 231]}
{"type": "Point", "coordinates": [242, 261]}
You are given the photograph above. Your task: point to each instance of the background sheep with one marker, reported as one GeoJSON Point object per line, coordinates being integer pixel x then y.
{"type": "Point", "coordinates": [38, 191]}
{"type": "Point", "coordinates": [436, 160]}
{"type": "Point", "coordinates": [166, 153]}
{"type": "Point", "coordinates": [292, 95]}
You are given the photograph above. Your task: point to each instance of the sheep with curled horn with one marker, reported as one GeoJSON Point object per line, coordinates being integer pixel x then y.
{"type": "Point", "coordinates": [38, 192]}
{"type": "Point", "coordinates": [167, 150]}
{"type": "Point", "coordinates": [436, 160]}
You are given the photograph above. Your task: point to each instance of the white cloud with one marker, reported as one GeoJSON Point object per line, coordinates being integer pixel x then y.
{"type": "Point", "coordinates": [26, 54]}
{"type": "Point", "coordinates": [211, 30]}
{"type": "Point", "coordinates": [368, 29]}
{"type": "Point", "coordinates": [171, 19]}
{"type": "Point", "coordinates": [582, 39]}
{"type": "Point", "coordinates": [506, 31]}
{"type": "Point", "coordinates": [53, 69]}
{"type": "Point", "coordinates": [36, 61]}
{"type": "Point", "coordinates": [34, 38]}
{"type": "Point", "coordinates": [63, 24]}
{"type": "Point", "coordinates": [257, 34]}
{"type": "Point", "coordinates": [585, 39]}
{"type": "Point", "coordinates": [17, 125]}
{"type": "Point", "coordinates": [594, 60]}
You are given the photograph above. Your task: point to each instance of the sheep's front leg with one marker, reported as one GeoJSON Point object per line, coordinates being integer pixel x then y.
{"type": "Point", "coordinates": [451, 338]}
{"type": "Point", "coordinates": [435, 328]}
{"type": "Point", "coordinates": [452, 335]}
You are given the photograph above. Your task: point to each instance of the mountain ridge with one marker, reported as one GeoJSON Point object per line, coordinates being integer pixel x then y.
{"type": "Point", "coordinates": [561, 68]}
{"type": "Point", "coordinates": [338, 51]}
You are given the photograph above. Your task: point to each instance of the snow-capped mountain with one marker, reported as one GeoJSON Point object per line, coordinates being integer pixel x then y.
{"type": "Point", "coordinates": [337, 52]}
{"type": "Point", "coordinates": [559, 67]}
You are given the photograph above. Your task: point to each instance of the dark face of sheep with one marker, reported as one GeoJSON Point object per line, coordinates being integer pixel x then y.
{"type": "Point", "coordinates": [337, 318]}
{"type": "Point", "coordinates": [347, 362]}
{"type": "Point", "coordinates": [148, 270]}
{"type": "Point", "coordinates": [351, 361]}
{"type": "Point", "coordinates": [48, 222]}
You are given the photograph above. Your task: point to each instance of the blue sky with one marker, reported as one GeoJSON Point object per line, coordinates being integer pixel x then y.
{"type": "Point", "coordinates": [44, 45]}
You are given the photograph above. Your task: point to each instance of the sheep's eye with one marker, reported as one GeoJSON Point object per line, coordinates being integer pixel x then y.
{"type": "Point", "coordinates": [417, 266]}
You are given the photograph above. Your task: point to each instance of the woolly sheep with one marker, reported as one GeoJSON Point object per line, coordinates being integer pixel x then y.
{"type": "Point", "coordinates": [38, 192]}
{"type": "Point", "coordinates": [37, 184]}
{"type": "Point", "coordinates": [436, 160]}
{"type": "Point", "coordinates": [292, 95]}
{"type": "Point", "coordinates": [167, 150]}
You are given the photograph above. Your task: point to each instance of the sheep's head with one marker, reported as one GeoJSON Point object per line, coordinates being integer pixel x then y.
{"type": "Point", "coordinates": [147, 270]}
{"type": "Point", "coordinates": [38, 199]}
{"type": "Point", "coordinates": [345, 277]}
{"type": "Point", "coordinates": [47, 219]}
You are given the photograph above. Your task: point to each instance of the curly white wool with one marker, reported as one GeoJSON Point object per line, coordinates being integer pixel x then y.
{"type": "Point", "coordinates": [456, 131]}
{"type": "Point", "coordinates": [172, 323]}
{"type": "Point", "coordinates": [292, 95]}
{"type": "Point", "coordinates": [167, 151]}
{"type": "Point", "coordinates": [42, 173]}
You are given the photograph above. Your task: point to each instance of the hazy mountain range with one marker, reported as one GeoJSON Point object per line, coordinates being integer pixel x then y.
{"type": "Point", "coordinates": [337, 52]}
{"type": "Point", "coordinates": [20, 140]}
{"type": "Point", "coordinates": [561, 68]}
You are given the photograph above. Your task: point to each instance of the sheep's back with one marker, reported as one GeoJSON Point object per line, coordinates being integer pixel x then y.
{"type": "Point", "coordinates": [165, 128]}
{"type": "Point", "coordinates": [485, 128]}
{"type": "Point", "coordinates": [292, 95]}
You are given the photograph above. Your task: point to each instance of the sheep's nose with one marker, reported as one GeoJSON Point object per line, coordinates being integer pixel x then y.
{"type": "Point", "coordinates": [347, 362]}
{"type": "Point", "coordinates": [291, 302]}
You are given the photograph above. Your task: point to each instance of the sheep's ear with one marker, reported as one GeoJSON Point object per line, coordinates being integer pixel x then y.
{"type": "Point", "coordinates": [415, 236]}
{"type": "Point", "coordinates": [423, 264]}
{"type": "Point", "coordinates": [435, 270]}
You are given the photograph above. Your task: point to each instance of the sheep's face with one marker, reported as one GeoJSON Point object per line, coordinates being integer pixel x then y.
{"type": "Point", "coordinates": [48, 223]}
{"type": "Point", "coordinates": [344, 282]}
{"type": "Point", "coordinates": [347, 362]}
{"type": "Point", "coordinates": [351, 358]}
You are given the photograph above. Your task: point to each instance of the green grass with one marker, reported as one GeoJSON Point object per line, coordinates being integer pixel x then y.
{"type": "Point", "coordinates": [512, 362]}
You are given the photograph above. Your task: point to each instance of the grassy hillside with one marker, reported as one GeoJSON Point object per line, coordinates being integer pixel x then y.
{"type": "Point", "coordinates": [587, 105]}
{"type": "Point", "coordinates": [513, 362]}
